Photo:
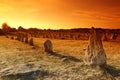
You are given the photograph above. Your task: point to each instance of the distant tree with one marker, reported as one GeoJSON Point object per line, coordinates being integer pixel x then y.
{"type": "Point", "coordinates": [6, 28]}
{"type": "Point", "coordinates": [1, 32]}
{"type": "Point", "coordinates": [20, 28]}
{"type": "Point", "coordinates": [13, 30]}
{"type": "Point", "coordinates": [34, 29]}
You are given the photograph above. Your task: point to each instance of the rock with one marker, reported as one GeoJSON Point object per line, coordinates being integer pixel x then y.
{"type": "Point", "coordinates": [95, 54]}
{"type": "Point", "coordinates": [26, 39]}
{"type": "Point", "coordinates": [114, 36]}
{"type": "Point", "coordinates": [22, 38]}
{"type": "Point", "coordinates": [105, 37]}
{"type": "Point", "coordinates": [31, 42]}
{"type": "Point", "coordinates": [12, 37]}
{"type": "Point", "coordinates": [48, 46]}
{"type": "Point", "coordinates": [22, 71]}
{"type": "Point", "coordinates": [7, 36]}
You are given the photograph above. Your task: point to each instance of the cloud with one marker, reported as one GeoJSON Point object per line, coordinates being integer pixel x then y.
{"type": "Point", "coordinates": [96, 16]}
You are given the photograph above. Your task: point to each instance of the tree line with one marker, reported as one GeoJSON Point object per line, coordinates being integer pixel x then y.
{"type": "Point", "coordinates": [74, 34]}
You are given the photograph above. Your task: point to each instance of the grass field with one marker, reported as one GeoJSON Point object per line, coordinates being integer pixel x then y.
{"type": "Point", "coordinates": [13, 52]}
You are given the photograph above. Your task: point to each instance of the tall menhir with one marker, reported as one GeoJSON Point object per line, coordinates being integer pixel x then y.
{"type": "Point", "coordinates": [95, 54]}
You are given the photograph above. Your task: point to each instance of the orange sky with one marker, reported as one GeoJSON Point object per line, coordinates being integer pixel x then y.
{"type": "Point", "coordinates": [56, 14]}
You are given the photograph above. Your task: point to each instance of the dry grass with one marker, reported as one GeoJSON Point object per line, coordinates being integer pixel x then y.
{"type": "Point", "coordinates": [13, 52]}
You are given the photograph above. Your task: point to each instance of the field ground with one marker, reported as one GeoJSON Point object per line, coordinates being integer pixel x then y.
{"type": "Point", "coordinates": [13, 52]}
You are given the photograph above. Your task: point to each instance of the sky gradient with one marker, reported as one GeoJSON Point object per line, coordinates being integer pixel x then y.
{"type": "Point", "coordinates": [60, 14]}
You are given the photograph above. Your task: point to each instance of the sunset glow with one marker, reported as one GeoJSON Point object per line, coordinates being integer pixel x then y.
{"type": "Point", "coordinates": [57, 14]}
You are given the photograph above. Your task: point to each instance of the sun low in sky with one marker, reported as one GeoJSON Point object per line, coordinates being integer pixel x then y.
{"type": "Point", "coordinates": [60, 14]}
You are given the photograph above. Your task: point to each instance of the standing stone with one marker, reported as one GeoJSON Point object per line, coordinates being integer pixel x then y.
{"type": "Point", "coordinates": [12, 37]}
{"type": "Point", "coordinates": [31, 42]}
{"type": "Point", "coordinates": [7, 36]}
{"type": "Point", "coordinates": [95, 54]}
{"type": "Point", "coordinates": [26, 39]}
{"type": "Point", "coordinates": [105, 37]}
{"type": "Point", "coordinates": [114, 36]}
{"type": "Point", "coordinates": [18, 37]}
{"type": "Point", "coordinates": [22, 37]}
{"type": "Point", "coordinates": [48, 46]}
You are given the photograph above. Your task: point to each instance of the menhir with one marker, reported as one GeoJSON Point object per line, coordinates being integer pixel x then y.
{"type": "Point", "coordinates": [48, 46]}
{"type": "Point", "coordinates": [95, 54]}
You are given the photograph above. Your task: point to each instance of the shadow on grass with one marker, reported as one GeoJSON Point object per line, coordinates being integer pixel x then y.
{"type": "Point", "coordinates": [30, 76]}
{"type": "Point", "coordinates": [113, 71]}
{"type": "Point", "coordinates": [66, 57]}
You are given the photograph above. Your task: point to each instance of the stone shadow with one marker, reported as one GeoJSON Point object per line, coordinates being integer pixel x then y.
{"type": "Point", "coordinates": [66, 57]}
{"type": "Point", "coordinates": [113, 71]}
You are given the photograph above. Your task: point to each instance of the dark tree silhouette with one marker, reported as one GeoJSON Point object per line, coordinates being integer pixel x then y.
{"type": "Point", "coordinates": [20, 28]}
{"type": "Point", "coordinates": [6, 28]}
{"type": "Point", "coordinates": [1, 32]}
